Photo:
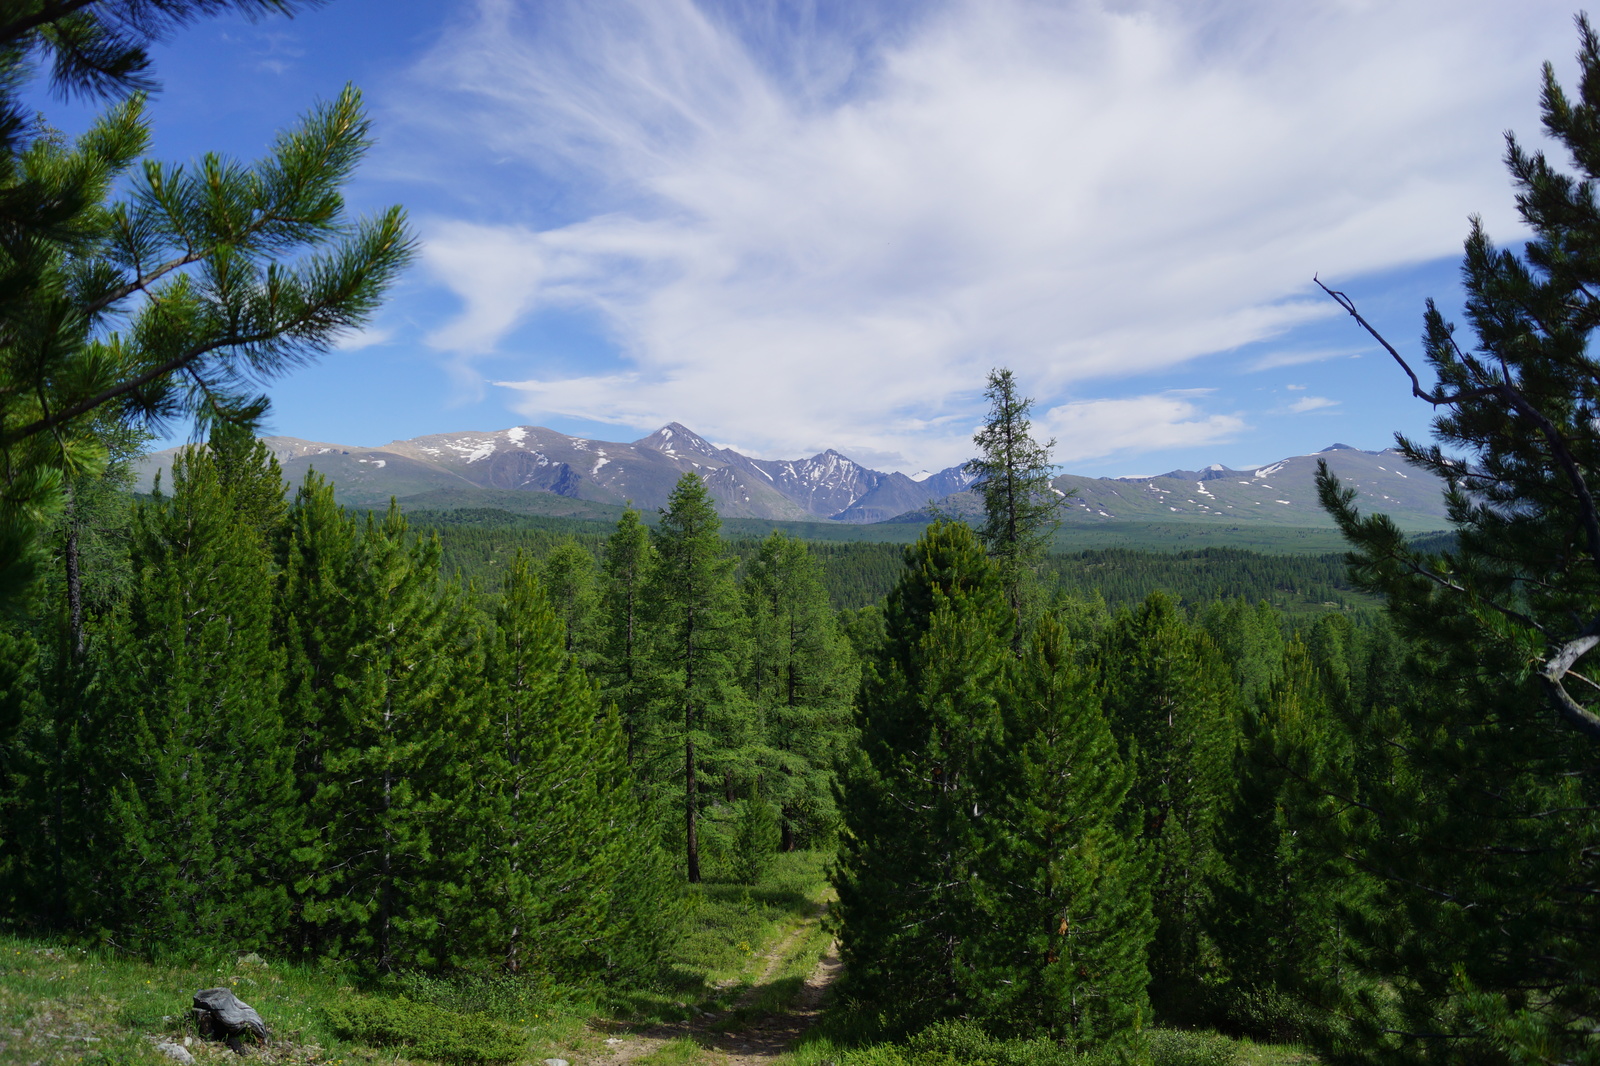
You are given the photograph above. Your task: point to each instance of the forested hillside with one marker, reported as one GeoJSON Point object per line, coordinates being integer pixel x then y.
{"type": "Point", "coordinates": [479, 544]}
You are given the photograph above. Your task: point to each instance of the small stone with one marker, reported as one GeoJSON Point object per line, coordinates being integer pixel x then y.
{"type": "Point", "coordinates": [176, 1052]}
{"type": "Point", "coordinates": [252, 959]}
{"type": "Point", "coordinates": [555, 1062]}
{"type": "Point", "coordinates": [613, 1041]}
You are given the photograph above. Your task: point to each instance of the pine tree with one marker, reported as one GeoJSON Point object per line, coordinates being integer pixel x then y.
{"type": "Point", "coordinates": [223, 275]}
{"type": "Point", "coordinates": [1275, 914]}
{"type": "Point", "coordinates": [199, 821]}
{"type": "Point", "coordinates": [696, 650]}
{"type": "Point", "coordinates": [1168, 700]}
{"type": "Point", "coordinates": [928, 710]}
{"type": "Point", "coordinates": [395, 725]}
{"type": "Point", "coordinates": [555, 812]}
{"type": "Point", "coordinates": [1064, 893]}
{"type": "Point", "coordinates": [57, 792]}
{"type": "Point", "coordinates": [568, 576]}
{"type": "Point", "coordinates": [622, 667]}
{"type": "Point", "coordinates": [1485, 829]}
{"type": "Point", "coordinates": [800, 677]}
{"type": "Point", "coordinates": [1021, 507]}
{"type": "Point", "coordinates": [251, 475]}
{"type": "Point", "coordinates": [29, 837]}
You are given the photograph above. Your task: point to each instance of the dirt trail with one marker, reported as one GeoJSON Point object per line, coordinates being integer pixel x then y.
{"type": "Point", "coordinates": [756, 1041]}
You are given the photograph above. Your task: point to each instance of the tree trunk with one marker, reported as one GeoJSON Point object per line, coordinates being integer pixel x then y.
{"type": "Point", "coordinates": [689, 812]}
{"type": "Point", "coordinates": [74, 585]}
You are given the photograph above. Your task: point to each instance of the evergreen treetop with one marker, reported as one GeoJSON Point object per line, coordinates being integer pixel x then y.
{"type": "Point", "coordinates": [1021, 507]}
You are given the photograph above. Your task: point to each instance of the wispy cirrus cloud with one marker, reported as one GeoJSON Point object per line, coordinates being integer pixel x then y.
{"type": "Point", "coordinates": [1278, 360]}
{"type": "Point", "coordinates": [813, 233]}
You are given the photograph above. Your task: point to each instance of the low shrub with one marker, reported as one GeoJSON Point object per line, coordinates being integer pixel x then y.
{"type": "Point", "coordinates": [1182, 1047]}
{"type": "Point", "coordinates": [962, 1043]}
{"type": "Point", "coordinates": [426, 1031]}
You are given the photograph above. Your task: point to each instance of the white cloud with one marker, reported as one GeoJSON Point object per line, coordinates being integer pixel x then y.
{"type": "Point", "coordinates": [1295, 388]}
{"type": "Point", "coordinates": [1312, 403]}
{"type": "Point", "coordinates": [1278, 360]}
{"type": "Point", "coordinates": [355, 340]}
{"type": "Point", "coordinates": [1094, 429]}
{"type": "Point", "coordinates": [825, 251]}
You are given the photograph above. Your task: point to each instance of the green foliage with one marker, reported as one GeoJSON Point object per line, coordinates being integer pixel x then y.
{"type": "Point", "coordinates": [389, 711]}
{"type": "Point", "coordinates": [695, 647]}
{"type": "Point", "coordinates": [800, 676]}
{"type": "Point", "coordinates": [1168, 697]}
{"type": "Point", "coordinates": [756, 840]}
{"type": "Point", "coordinates": [197, 816]}
{"type": "Point", "coordinates": [1276, 913]}
{"type": "Point", "coordinates": [425, 1031]}
{"type": "Point", "coordinates": [219, 275]}
{"type": "Point", "coordinates": [1473, 795]}
{"type": "Point", "coordinates": [559, 883]}
{"type": "Point", "coordinates": [568, 575]}
{"type": "Point", "coordinates": [928, 711]}
{"type": "Point", "coordinates": [1064, 882]}
{"type": "Point", "coordinates": [962, 1043]}
{"type": "Point", "coordinates": [1021, 508]}
{"type": "Point", "coordinates": [1296, 584]}
{"type": "Point", "coordinates": [1182, 1047]}
{"type": "Point", "coordinates": [623, 667]}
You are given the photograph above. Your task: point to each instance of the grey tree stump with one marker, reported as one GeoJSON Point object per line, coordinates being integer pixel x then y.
{"type": "Point", "coordinates": [220, 1014]}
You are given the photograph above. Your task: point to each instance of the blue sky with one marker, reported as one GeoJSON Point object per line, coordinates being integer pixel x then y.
{"type": "Point", "coordinates": [794, 226]}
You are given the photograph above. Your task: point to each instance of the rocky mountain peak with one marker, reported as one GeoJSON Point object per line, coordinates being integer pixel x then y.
{"type": "Point", "coordinates": [677, 439]}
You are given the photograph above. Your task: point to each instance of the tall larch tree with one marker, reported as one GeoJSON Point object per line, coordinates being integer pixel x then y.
{"type": "Point", "coordinates": [1021, 507]}
{"type": "Point", "coordinates": [801, 676]}
{"type": "Point", "coordinates": [695, 651]}
{"type": "Point", "coordinates": [622, 664]}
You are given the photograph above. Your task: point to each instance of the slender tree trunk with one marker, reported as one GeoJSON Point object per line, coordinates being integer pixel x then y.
{"type": "Point", "coordinates": [691, 811]}
{"type": "Point", "coordinates": [690, 821]}
{"type": "Point", "coordinates": [74, 584]}
{"type": "Point", "coordinates": [386, 863]}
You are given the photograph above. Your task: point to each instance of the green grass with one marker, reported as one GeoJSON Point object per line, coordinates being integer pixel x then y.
{"type": "Point", "coordinates": [725, 952]}
{"type": "Point", "coordinates": [64, 1004]}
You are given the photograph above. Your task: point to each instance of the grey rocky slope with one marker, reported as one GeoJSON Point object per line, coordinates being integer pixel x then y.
{"type": "Point", "coordinates": [1279, 494]}
{"type": "Point", "coordinates": [477, 469]}
{"type": "Point", "coordinates": [530, 458]}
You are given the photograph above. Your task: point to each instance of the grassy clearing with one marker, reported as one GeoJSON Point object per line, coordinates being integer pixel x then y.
{"type": "Point", "coordinates": [733, 933]}
{"type": "Point", "coordinates": [61, 1004]}
{"type": "Point", "coordinates": [64, 1004]}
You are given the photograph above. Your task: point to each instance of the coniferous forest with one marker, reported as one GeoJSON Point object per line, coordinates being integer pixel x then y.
{"type": "Point", "coordinates": [1069, 808]}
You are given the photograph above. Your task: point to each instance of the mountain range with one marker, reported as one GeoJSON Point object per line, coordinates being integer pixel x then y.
{"type": "Point", "coordinates": [452, 470]}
